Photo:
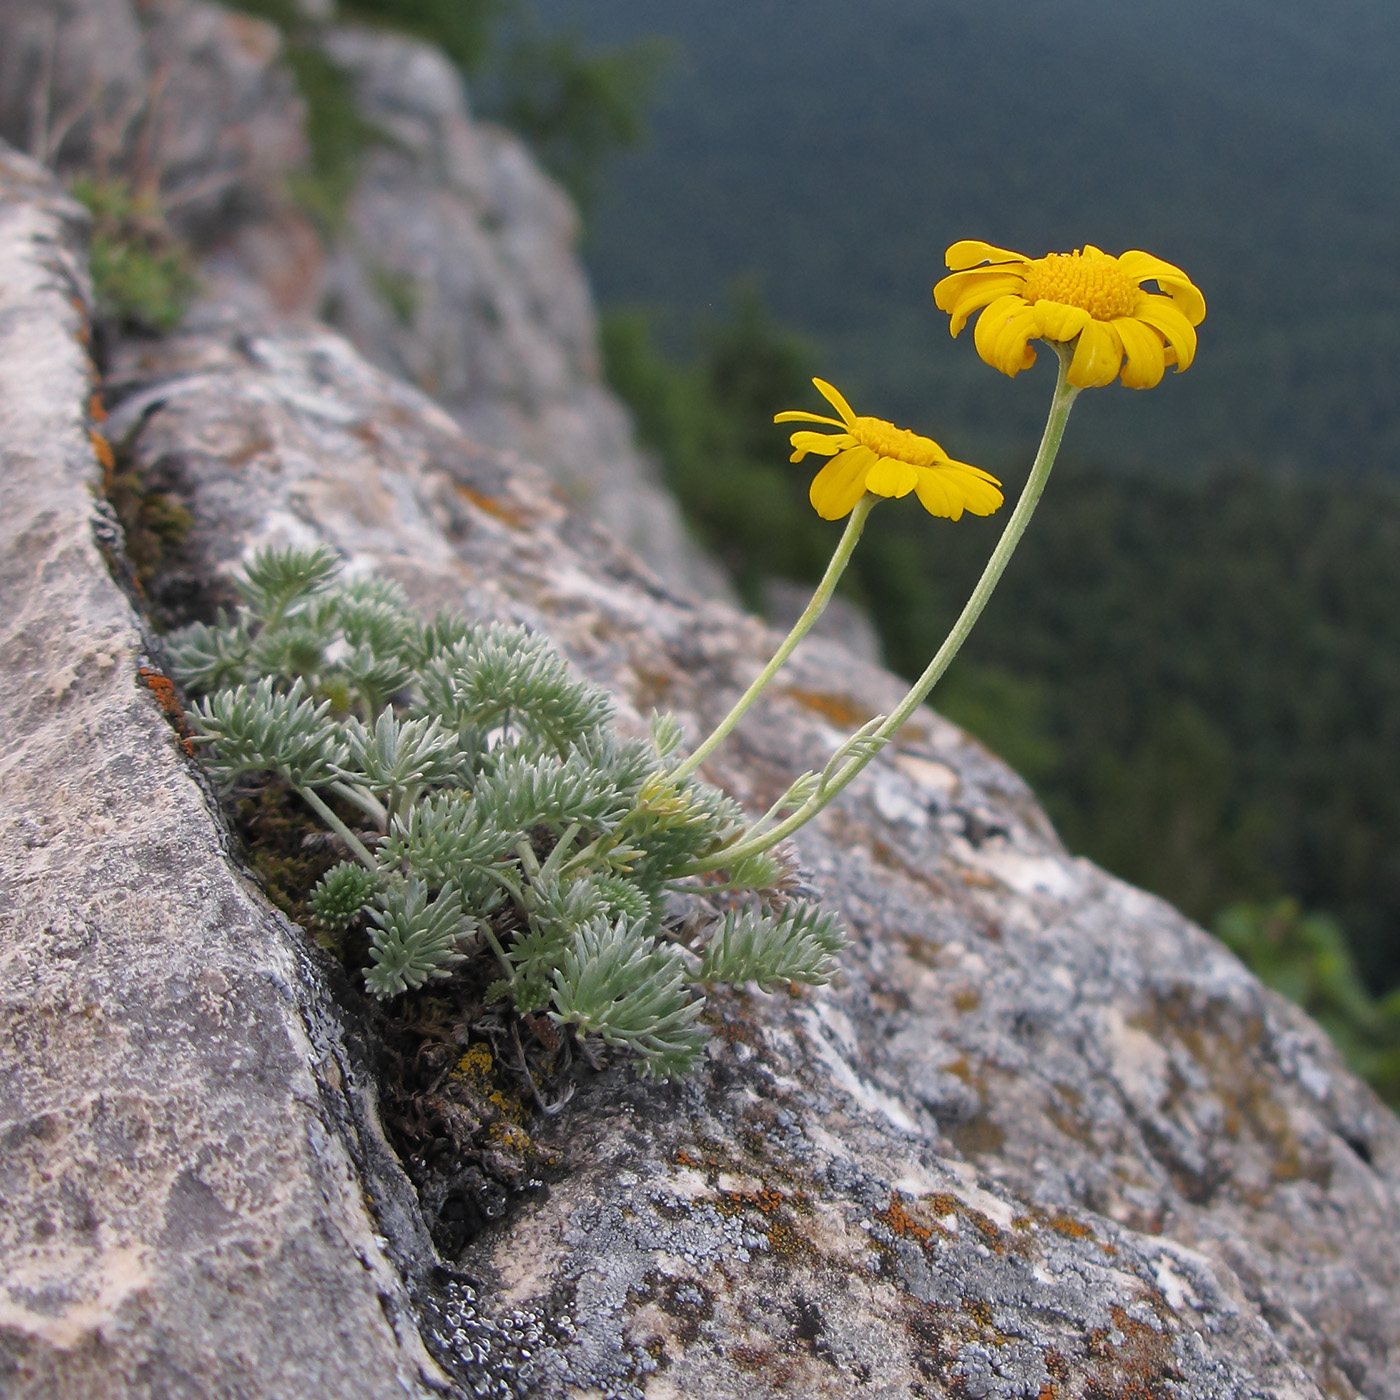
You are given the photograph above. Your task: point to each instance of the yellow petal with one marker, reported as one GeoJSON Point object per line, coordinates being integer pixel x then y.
{"type": "Point", "coordinates": [1097, 357]}
{"type": "Point", "coordinates": [824, 444]}
{"type": "Point", "coordinates": [1060, 322]}
{"type": "Point", "coordinates": [1173, 281]}
{"type": "Point", "coordinates": [958, 486]}
{"type": "Point", "coordinates": [1187, 297]}
{"type": "Point", "coordinates": [936, 497]}
{"type": "Point", "coordinates": [1165, 316]}
{"type": "Point", "coordinates": [1140, 266]}
{"type": "Point", "coordinates": [980, 494]}
{"type": "Point", "coordinates": [967, 467]}
{"type": "Point", "coordinates": [833, 396]}
{"type": "Point", "coordinates": [797, 415]}
{"type": "Point", "coordinates": [841, 483]}
{"type": "Point", "coordinates": [891, 477]}
{"type": "Point", "coordinates": [970, 251]}
{"type": "Point", "coordinates": [964, 292]}
{"type": "Point", "coordinates": [1146, 357]}
{"type": "Point", "coordinates": [1002, 332]}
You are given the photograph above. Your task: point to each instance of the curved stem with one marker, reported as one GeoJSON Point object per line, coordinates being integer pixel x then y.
{"type": "Point", "coordinates": [1010, 537]}
{"type": "Point", "coordinates": [370, 805]}
{"type": "Point", "coordinates": [800, 628]}
{"type": "Point", "coordinates": [357, 847]}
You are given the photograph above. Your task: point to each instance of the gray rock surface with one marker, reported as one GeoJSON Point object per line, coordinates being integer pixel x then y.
{"type": "Point", "coordinates": [1046, 1138]}
{"type": "Point", "coordinates": [456, 267]}
{"type": "Point", "coordinates": [459, 272]}
{"type": "Point", "coordinates": [185, 1145]}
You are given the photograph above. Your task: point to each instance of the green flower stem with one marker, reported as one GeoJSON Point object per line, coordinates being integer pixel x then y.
{"type": "Point", "coordinates": [357, 847]}
{"type": "Point", "coordinates": [370, 805]}
{"type": "Point", "coordinates": [490, 935]}
{"type": "Point", "coordinates": [1060, 406]}
{"type": "Point", "coordinates": [550, 869]}
{"type": "Point", "coordinates": [854, 525]}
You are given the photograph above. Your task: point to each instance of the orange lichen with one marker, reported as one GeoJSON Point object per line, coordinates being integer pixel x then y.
{"type": "Point", "coordinates": [102, 450]}
{"type": "Point", "coordinates": [1071, 1228]}
{"type": "Point", "coordinates": [839, 709]}
{"type": "Point", "coordinates": [987, 1228]}
{"type": "Point", "coordinates": [493, 506]}
{"type": "Point", "coordinates": [164, 691]}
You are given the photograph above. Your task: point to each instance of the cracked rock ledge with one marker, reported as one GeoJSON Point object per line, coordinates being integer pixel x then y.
{"type": "Point", "coordinates": [1043, 1138]}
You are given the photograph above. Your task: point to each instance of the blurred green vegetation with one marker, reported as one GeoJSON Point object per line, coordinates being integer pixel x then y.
{"type": "Point", "coordinates": [142, 278]}
{"type": "Point", "coordinates": [463, 29]}
{"type": "Point", "coordinates": [336, 133]}
{"type": "Point", "coordinates": [711, 424]}
{"type": "Point", "coordinates": [1200, 675]}
{"type": "Point", "coordinates": [1306, 957]}
{"type": "Point", "coordinates": [1250, 142]}
{"type": "Point", "coordinates": [577, 105]}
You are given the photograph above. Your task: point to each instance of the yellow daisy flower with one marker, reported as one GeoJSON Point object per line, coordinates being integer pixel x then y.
{"type": "Point", "coordinates": [869, 454]}
{"type": "Point", "coordinates": [1086, 295]}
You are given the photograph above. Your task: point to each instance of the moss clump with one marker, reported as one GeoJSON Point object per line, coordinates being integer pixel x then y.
{"type": "Point", "coordinates": [142, 277]}
{"type": "Point", "coordinates": [156, 524]}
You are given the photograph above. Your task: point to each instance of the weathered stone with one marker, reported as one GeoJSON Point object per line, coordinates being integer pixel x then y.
{"type": "Point", "coordinates": [456, 268]}
{"type": "Point", "coordinates": [186, 97]}
{"type": "Point", "coordinates": [1046, 1137]}
{"type": "Point", "coordinates": [460, 274]}
{"type": "Point", "coordinates": [184, 1134]}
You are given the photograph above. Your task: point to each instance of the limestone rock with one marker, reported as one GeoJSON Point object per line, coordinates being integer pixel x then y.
{"type": "Point", "coordinates": [459, 273]}
{"type": "Point", "coordinates": [1045, 1137]}
{"type": "Point", "coordinates": [456, 269]}
{"type": "Point", "coordinates": [185, 1143]}
{"type": "Point", "coordinates": [184, 95]}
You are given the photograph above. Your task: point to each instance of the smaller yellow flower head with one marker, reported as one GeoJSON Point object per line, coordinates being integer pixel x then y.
{"type": "Point", "coordinates": [869, 454]}
{"type": "Point", "coordinates": [1086, 296]}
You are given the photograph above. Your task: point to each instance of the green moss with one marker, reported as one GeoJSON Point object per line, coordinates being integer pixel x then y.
{"type": "Point", "coordinates": [399, 291]}
{"type": "Point", "coordinates": [155, 523]}
{"type": "Point", "coordinates": [142, 276]}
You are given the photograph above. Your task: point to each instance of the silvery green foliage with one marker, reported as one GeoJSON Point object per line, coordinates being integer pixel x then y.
{"type": "Point", "coordinates": [488, 804]}
{"type": "Point", "coordinates": [798, 946]}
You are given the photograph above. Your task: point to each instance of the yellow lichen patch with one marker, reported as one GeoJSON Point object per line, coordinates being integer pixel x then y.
{"type": "Point", "coordinates": [478, 1065]}
{"type": "Point", "coordinates": [979, 1310]}
{"type": "Point", "coordinates": [509, 1136]}
{"type": "Point", "coordinates": [500, 510]}
{"type": "Point", "coordinates": [508, 1106]}
{"type": "Point", "coordinates": [1071, 1228]}
{"type": "Point", "coordinates": [839, 709]}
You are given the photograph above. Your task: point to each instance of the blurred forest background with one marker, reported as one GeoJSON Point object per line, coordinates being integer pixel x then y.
{"type": "Point", "coordinates": [1195, 657]}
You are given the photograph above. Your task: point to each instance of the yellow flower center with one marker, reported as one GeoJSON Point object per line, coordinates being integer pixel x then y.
{"type": "Point", "coordinates": [1090, 280]}
{"type": "Point", "coordinates": [888, 441]}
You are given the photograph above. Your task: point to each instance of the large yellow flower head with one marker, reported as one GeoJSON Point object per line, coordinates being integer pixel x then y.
{"type": "Point", "coordinates": [1088, 296]}
{"type": "Point", "coordinates": [869, 454]}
